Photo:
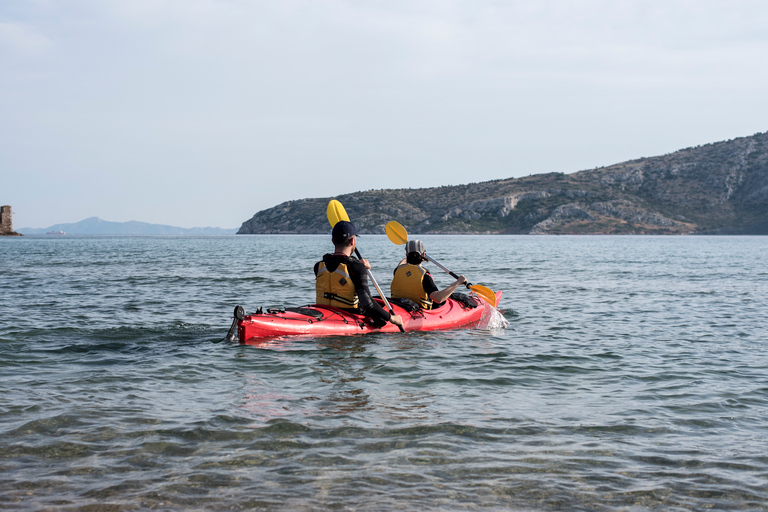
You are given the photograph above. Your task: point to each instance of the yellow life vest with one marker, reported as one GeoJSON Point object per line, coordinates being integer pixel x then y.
{"type": "Point", "coordinates": [335, 288]}
{"type": "Point", "coordinates": [408, 284]}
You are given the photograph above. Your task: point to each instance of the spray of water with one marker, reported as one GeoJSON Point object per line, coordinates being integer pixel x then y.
{"type": "Point", "coordinates": [495, 320]}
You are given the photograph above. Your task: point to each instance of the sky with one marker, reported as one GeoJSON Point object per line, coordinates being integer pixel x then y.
{"type": "Point", "coordinates": [200, 113]}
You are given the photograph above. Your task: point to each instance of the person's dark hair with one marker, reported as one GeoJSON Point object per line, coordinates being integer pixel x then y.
{"type": "Point", "coordinates": [341, 244]}
{"type": "Point", "coordinates": [414, 258]}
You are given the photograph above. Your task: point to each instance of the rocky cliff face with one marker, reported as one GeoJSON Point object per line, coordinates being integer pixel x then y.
{"type": "Point", "coordinates": [716, 188]}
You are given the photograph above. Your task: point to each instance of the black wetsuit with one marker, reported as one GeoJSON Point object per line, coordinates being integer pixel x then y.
{"type": "Point", "coordinates": [429, 285]}
{"type": "Point", "coordinates": [359, 274]}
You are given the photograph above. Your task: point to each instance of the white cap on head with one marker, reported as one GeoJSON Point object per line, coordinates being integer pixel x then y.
{"type": "Point", "coordinates": [415, 246]}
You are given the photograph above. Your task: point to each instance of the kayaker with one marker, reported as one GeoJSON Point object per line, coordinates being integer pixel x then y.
{"type": "Point", "coordinates": [414, 282]}
{"type": "Point", "coordinates": [341, 280]}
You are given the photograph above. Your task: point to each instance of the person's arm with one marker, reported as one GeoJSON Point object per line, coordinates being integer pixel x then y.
{"type": "Point", "coordinates": [442, 295]}
{"type": "Point", "coordinates": [368, 306]}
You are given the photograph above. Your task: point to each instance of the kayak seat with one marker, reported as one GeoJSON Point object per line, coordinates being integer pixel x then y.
{"type": "Point", "coordinates": [407, 304]}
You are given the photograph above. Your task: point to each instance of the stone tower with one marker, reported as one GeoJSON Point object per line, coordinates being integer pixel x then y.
{"type": "Point", "coordinates": [6, 221]}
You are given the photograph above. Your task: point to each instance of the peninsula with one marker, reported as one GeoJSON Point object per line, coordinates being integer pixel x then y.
{"type": "Point", "coordinates": [718, 188]}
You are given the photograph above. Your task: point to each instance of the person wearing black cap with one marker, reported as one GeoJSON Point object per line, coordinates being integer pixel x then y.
{"type": "Point", "coordinates": [414, 282]}
{"type": "Point", "coordinates": [341, 280]}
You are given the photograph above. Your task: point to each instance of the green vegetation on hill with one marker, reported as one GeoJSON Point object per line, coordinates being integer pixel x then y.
{"type": "Point", "coordinates": [717, 188]}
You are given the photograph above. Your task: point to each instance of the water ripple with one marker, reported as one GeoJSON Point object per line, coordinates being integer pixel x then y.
{"type": "Point", "coordinates": [632, 375]}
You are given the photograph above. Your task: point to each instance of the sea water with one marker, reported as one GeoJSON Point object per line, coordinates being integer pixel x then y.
{"type": "Point", "coordinates": [632, 375]}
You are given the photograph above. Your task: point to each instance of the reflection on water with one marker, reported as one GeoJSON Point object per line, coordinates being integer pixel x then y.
{"type": "Point", "coordinates": [343, 367]}
{"type": "Point", "coordinates": [344, 380]}
{"type": "Point", "coordinates": [262, 403]}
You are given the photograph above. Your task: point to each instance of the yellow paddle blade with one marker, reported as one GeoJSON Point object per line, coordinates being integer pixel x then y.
{"type": "Point", "coordinates": [336, 212]}
{"type": "Point", "coordinates": [397, 233]}
{"type": "Point", "coordinates": [485, 292]}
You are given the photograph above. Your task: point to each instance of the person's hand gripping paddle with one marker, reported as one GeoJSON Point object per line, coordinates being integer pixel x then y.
{"type": "Point", "coordinates": [336, 213]}
{"type": "Point", "coordinates": [398, 235]}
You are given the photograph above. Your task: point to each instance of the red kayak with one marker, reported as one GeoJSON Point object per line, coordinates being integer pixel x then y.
{"type": "Point", "coordinates": [460, 311]}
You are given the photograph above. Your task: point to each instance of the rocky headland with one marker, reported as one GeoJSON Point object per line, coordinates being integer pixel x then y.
{"type": "Point", "coordinates": [718, 188]}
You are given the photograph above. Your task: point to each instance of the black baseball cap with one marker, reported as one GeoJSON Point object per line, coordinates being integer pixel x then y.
{"type": "Point", "coordinates": [342, 231]}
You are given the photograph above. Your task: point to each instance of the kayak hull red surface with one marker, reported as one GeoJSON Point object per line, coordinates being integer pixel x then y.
{"type": "Point", "coordinates": [318, 320]}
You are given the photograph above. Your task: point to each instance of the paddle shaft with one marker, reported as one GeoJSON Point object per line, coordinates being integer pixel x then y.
{"type": "Point", "coordinates": [376, 285]}
{"type": "Point", "coordinates": [468, 284]}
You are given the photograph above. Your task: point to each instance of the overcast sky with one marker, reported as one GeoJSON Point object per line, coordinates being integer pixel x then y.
{"type": "Point", "coordinates": [203, 112]}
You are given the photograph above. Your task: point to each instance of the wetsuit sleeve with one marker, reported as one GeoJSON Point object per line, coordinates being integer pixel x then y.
{"type": "Point", "coordinates": [368, 306]}
{"type": "Point", "coordinates": [429, 284]}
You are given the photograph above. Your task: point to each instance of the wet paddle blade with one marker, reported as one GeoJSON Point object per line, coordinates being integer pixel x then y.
{"type": "Point", "coordinates": [485, 292]}
{"type": "Point", "coordinates": [397, 233]}
{"type": "Point", "coordinates": [336, 212]}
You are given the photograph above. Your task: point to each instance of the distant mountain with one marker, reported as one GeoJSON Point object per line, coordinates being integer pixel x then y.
{"type": "Point", "coordinates": [96, 226]}
{"type": "Point", "coordinates": [719, 188]}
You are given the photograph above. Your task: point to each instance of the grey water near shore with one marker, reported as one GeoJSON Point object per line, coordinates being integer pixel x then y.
{"type": "Point", "coordinates": [633, 375]}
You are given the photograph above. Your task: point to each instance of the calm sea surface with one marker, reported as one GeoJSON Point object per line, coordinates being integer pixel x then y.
{"type": "Point", "coordinates": [633, 375]}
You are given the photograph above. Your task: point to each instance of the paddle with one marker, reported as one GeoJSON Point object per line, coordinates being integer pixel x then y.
{"type": "Point", "coordinates": [398, 235]}
{"type": "Point", "coordinates": [336, 213]}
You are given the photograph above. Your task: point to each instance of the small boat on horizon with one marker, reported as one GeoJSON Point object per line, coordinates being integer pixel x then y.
{"type": "Point", "coordinates": [55, 233]}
